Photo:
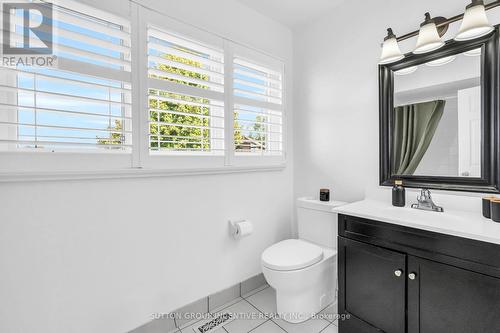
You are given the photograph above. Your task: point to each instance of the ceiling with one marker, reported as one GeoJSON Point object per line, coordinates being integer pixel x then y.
{"type": "Point", "coordinates": [291, 12]}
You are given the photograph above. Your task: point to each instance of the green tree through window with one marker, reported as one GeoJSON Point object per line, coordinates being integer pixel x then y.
{"type": "Point", "coordinates": [167, 116]}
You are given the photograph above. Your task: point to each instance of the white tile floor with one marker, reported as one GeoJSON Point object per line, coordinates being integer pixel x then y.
{"type": "Point", "coordinates": [256, 313]}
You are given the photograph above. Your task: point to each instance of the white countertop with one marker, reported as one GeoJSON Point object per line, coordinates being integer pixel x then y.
{"type": "Point", "coordinates": [465, 224]}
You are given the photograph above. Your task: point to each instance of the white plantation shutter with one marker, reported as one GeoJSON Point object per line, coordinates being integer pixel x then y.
{"type": "Point", "coordinates": [186, 95]}
{"type": "Point", "coordinates": [195, 99]}
{"type": "Point", "coordinates": [82, 104]}
{"type": "Point", "coordinates": [258, 107]}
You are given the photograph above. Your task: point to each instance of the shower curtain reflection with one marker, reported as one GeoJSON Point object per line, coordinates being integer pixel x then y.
{"type": "Point", "coordinates": [414, 128]}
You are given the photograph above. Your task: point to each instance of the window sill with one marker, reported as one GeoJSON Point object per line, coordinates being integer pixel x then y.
{"type": "Point", "coordinates": [42, 176]}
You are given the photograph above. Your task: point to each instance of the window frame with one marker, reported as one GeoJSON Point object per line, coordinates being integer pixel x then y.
{"type": "Point", "coordinates": [139, 162]}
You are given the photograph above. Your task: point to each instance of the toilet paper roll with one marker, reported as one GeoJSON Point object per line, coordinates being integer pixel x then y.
{"type": "Point", "coordinates": [242, 229]}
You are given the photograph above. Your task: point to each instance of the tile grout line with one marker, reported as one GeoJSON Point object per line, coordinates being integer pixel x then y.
{"type": "Point", "coordinates": [282, 327]}
{"type": "Point", "coordinates": [269, 320]}
{"type": "Point", "coordinates": [255, 307]}
{"type": "Point", "coordinates": [331, 324]}
{"type": "Point", "coordinates": [261, 311]}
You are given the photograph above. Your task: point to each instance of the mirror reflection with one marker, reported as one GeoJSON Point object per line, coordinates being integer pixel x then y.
{"type": "Point", "coordinates": [437, 118]}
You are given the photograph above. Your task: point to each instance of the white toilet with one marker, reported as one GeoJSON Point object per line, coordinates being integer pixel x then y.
{"type": "Point", "coordinates": [304, 271]}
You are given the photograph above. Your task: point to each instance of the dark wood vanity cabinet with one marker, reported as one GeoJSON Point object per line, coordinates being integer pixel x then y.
{"type": "Point", "coordinates": [396, 279]}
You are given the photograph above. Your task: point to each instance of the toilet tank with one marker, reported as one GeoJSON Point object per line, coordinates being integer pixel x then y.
{"type": "Point", "coordinates": [316, 221]}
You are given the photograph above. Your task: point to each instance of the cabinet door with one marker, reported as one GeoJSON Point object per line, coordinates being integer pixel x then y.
{"type": "Point", "coordinates": [443, 298]}
{"type": "Point", "coordinates": [371, 288]}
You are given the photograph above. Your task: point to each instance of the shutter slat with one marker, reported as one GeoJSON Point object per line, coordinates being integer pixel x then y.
{"type": "Point", "coordinates": [258, 86]}
{"type": "Point", "coordinates": [258, 96]}
{"type": "Point", "coordinates": [109, 116]}
{"type": "Point", "coordinates": [69, 128]}
{"type": "Point", "coordinates": [267, 80]}
{"type": "Point", "coordinates": [184, 43]}
{"type": "Point", "coordinates": [155, 73]}
{"type": "Point", "coordinates": [162, 123]}
{"type": "Point", "coordinates": [184, 54]}
{"type": "Point", "coordinates": [184, 102]}
{"type": "Point", "coordinates": [92, 56]}
{"type": "Point", "coordinates": [56, 78]}
{"type": "Point", "coordinates": [185, 89]}
{"type": "Point", "coordinates": [256, 122]}
{"type": "Point", "coordinates": [60, 143]}
{"type": "Point", "coordinates": [184, 113]}
{"type": "Point", "coordinates": [187, 67]}
{"type": "Point", "coordinates": [55, 94]}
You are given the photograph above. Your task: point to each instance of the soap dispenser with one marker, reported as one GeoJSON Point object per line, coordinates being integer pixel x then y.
{"type": "Point", "coordinates": [398, 194]}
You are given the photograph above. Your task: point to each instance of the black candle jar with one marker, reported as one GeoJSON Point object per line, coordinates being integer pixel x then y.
{"type": "Point", "coordinates": [487, 206]}
{"type": "Point", "coordinates": [495, 210]}
{"type": "Point", "coordinates": [324, 194]}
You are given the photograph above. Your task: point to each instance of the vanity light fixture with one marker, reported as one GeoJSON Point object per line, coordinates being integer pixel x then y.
{"type": "Point", "coordinates": [429, 38]}
{"type": "Point", "coordinates": [390, 49]}
{"type": "Point", "coordinates": [406, 71]}
{"type": "Point", "coordinates": [475, 23]}
{"type": "Point", "coordinates": [442, 61]}
{"type": "Point", "coordinates": [474, 53]}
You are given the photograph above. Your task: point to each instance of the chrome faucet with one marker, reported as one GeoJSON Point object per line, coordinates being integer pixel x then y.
{"type": "Point", "coordinates": [424, 202]}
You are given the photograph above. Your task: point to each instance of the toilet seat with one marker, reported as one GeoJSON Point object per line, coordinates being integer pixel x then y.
{"type": "Point", "coordinates": [291, 254]}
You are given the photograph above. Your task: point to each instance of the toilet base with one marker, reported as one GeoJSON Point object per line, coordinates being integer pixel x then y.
{"type": "Point", "coordinates": [296, 308]}
{"type": "Point", "coordinates": [302, 293]}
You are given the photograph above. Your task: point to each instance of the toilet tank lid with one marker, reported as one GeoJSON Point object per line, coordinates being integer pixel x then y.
{"type": "Point", "coordinates": [291, 254]}
{"type": "Point", "coordinates": [311, 203]}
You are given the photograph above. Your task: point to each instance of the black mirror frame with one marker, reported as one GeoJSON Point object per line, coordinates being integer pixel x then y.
{"type": "Point", "coordinates": [490, 118]}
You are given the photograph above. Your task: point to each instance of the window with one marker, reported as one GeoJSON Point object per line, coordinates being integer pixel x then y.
{"type": "Point", "coordinates": [81, 104]}
{"type": "Point", "coordinates": [186, 95]}
{"type": "Point", "coordinates": [138, 89]}
{"type": "Point", "coordinates": [258, 117]}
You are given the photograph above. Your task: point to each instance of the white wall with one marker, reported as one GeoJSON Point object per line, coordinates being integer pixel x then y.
{"type": "Point", "coordinates": [336, 90]}
{"type": "Point", "coordinates": [101, 256]}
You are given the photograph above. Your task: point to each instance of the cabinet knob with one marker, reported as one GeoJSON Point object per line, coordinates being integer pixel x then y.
{"type": "Point", "coordinates": [412, 276]}
{"type": "Point", "coordinates": [398, 272]}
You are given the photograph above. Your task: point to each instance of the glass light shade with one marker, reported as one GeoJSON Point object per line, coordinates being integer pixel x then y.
{"type": "Point", "coordinates": [475, 23]}
{"type": "Point", "coordinates": [390, 51]}
{"type": "Point", "coordinates": [428, 39]}
{"type": "Point", "coordinates": [442, 61]}
{"type": "Point", "coordinates": [473, 53]}
{"type": "Point", "coordinates": [406, 71]}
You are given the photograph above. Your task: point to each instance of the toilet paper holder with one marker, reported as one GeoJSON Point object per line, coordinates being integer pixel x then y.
{"type": "Point", "coordinates": [240, 228]}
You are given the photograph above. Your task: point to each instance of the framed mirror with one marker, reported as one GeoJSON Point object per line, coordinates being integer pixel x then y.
{"type": "Point", "coordinates": [439, 118]}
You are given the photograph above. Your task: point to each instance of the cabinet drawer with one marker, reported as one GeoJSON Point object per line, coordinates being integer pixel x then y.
{"type": "Point", "coordinates": [471, 254]}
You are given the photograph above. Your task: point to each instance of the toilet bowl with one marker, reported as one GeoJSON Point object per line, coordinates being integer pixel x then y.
{"type": "Point", "coordinates": [303, 275]}
{"type": "Point", "coordinates": [303, 271]}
